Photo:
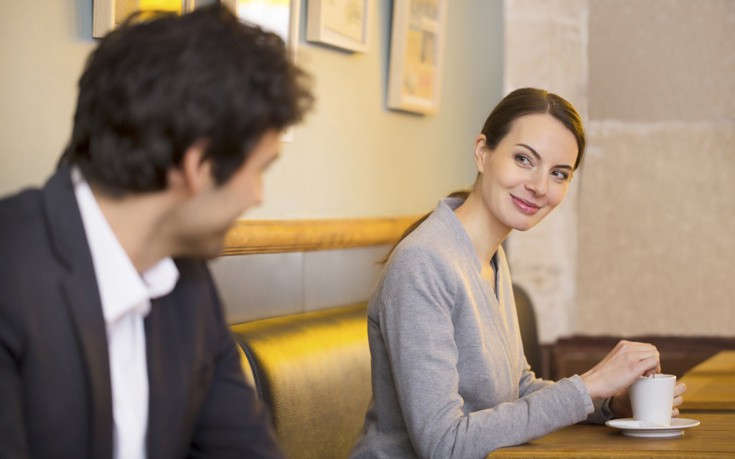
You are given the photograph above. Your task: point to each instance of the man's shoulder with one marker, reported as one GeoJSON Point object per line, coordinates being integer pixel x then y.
{"type": "Point", "coordinates": [20, 215]}
{"type": "Point", "coordinates": [194, 278]}
{"type": "Point", "coordinates": [20, 202]}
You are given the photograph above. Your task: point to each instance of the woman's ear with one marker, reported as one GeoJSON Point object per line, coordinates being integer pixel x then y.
{"type": "Point", "coordinates": [481, 152]}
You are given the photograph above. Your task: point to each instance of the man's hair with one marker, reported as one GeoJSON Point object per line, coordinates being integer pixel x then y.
{"type": "Point", "coordinates": [155, 86]}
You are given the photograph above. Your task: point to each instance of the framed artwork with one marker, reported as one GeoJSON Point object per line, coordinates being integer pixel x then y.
{"type": "Point", "coordinates": [416, 52]}
{"type": "Point", "coordinates": [278, 16]}
{"type": "Point", "coordinates": [108, 14]}
{"type": "Point", "coordinates": [339, 23]}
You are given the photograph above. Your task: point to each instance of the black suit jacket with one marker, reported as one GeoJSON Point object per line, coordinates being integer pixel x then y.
{"type": "Point", "coordinates": [55, 396]}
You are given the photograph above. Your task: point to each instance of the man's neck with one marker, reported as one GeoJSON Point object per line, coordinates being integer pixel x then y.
{"type": "Point", "coordinates": [139, 225]}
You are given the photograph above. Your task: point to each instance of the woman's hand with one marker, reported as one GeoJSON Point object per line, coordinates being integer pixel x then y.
{"type": "Point", "coordinates": [627, 362]}
{"type": "Point", "coordinates": [679, 390]}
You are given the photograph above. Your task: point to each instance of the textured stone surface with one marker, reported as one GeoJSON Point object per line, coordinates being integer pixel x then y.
{"type": "Point", "coordinates": [657, 229]}
{"type": "Point", "coordinates": [655, 210]}
{"type": "Point", "coordinates": [662, 59]}
{"type": "Point", "coordinates": [546, 46]}
{"type": "Point", "coordinates": [544, 261]}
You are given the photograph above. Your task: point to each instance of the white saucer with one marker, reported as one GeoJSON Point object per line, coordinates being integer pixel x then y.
{"type": "Point", "coordinates": [633, 428]}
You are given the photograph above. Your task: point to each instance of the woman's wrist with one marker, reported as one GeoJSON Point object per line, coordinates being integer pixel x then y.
{"type": "Point", "coordinates": [620, 405]}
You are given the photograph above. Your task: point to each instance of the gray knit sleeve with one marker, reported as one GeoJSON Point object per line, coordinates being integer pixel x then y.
{"type": "Point", "coordinates": [416, 326]}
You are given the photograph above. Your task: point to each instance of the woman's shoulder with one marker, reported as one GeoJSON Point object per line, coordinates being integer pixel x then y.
{"type": "Point", "coordinates": [431, 240]}
{"type": "Point", "coordinates": [431, 251]}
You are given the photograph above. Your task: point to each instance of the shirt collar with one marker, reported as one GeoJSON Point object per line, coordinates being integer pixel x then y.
{"type": "Point", "coordinates": [122, 289]}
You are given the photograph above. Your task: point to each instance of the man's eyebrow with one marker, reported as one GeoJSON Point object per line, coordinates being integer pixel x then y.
{"type": "Point", "coordinates": [538, 157]}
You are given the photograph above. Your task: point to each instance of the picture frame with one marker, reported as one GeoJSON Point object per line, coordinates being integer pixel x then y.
{"type": "Point", "coordinates": [416, 55]}
{"type": "Point", "coordinates": [278, 16]}
{"type": "Point", "coordinates": [108, 14]}
{"type": "Point", "coordinates": [342, 24]}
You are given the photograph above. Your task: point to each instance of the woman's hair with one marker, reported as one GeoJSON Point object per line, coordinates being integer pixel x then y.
{"type": "Point", "coordinates": [519, 103]}
{"type": "Point", "coordinates": [529, 101]}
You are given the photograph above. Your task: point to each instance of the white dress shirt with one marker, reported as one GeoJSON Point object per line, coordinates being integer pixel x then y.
{"type": "Point", "coordinates": [125, 296]}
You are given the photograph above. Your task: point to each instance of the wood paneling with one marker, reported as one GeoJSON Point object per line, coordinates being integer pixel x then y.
{"type": "Point", "coordinates": [278, 236]}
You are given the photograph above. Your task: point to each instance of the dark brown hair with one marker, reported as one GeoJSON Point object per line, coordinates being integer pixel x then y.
{"type": "Point", "coordinates": [528, 101]}
{"type": "Point", "coordinates": [159, 83]}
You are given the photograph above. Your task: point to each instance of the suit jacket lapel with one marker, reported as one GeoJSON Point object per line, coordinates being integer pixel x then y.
{"type": "Point", "coordinates": [168, 379]}
{"type": "Point", "coordinates": [82, 298]}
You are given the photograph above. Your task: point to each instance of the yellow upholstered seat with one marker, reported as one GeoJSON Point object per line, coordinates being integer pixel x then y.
{"type": "Point", "coordinates": [313, 371]}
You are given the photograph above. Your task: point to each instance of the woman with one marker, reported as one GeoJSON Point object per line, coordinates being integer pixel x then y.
{"type": "Point", "coordinates": [449, 375]}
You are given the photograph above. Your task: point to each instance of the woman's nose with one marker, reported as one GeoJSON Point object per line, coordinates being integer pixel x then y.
{"type": "Point", "coordinates": [537, 184]}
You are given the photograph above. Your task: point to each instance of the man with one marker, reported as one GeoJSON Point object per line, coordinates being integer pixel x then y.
{"type": "Point", "coordinates": [112, 337]}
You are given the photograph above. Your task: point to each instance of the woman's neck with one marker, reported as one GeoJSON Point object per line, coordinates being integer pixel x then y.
{"type": "Point", "coordinates": [484, 230]}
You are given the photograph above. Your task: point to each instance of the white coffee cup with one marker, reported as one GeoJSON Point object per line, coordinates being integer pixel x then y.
{"type": "Point", "coordinates": [652, 399]}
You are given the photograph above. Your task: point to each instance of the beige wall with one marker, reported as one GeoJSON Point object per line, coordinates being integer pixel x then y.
{"type": "Point", "coordinates": [43, 45]}
{"type": "Point", "coordinates": [352, 158]}
{"type": "Point", "coordinates": [657, 201]}
{"type": "Point", "coordinates": [645, 244]}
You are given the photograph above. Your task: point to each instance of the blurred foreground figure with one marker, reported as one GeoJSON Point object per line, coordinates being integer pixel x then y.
{"type": "Point", "coordinates": [113, 342]}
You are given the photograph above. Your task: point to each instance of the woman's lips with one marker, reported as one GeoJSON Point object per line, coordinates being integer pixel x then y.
{"type": "Point", "coordinates": [524, 206]}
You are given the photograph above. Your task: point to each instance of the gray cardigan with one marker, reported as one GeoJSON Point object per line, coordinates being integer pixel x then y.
{"type": "Point", "coordinates": [449, 375]}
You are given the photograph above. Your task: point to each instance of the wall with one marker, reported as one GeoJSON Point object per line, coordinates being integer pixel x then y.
{"type": "Point", "coordinates": [43, 45]}
{"type": "Point", "coordinates": [644, 243]}
{"type": "Point", "coordinates": [546, 47]}
{"type": "Point", "coordinates": [657, 204]}
{"type": "Point", "coordinates": [352, 157]}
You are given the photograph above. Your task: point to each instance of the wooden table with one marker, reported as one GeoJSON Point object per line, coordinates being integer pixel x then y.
{"type": "Point", "coordinates": [720, 363]}
{"type": "Point", "coordinates": [709, 393]}
{"type": "Point", "coordinates": [714, 438]}
{"type": "Point", "coordinates": [711, 384]}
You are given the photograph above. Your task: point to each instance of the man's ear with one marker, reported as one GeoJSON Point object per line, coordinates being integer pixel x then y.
{"type": "Point", "coordinates": [195, 172]}
{"type": "Point", "coordinates": [481, 151]}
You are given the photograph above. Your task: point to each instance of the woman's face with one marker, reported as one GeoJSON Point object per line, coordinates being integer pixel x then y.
{"type": "Point", "coordinates": [527, 175]}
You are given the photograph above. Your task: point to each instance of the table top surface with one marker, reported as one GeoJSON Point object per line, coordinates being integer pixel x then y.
{"type": "Point", "coordinates": [715, 393]}
{"type": "Point", "coordinates": [722, 362]}
{"type": "Point", "coordinates": [713, 438]}
{"type": "Point", "coordinates": [711, 384]}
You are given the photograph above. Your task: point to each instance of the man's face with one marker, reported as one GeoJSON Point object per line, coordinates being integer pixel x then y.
{"type": "Point", "coordinates": [214, 208]}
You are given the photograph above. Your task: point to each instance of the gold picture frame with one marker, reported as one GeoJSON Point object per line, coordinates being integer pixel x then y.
{"type": "Point", "coordinates": [108, 14]}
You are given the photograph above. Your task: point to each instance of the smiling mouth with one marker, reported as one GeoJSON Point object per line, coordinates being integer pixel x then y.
{"type": "Point", "coordinates": [524, 206]}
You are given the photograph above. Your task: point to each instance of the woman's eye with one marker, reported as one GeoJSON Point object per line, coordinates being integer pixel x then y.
{"type": "Point", "coordinates": [523, 159]}
{"type": "Point", "coordinates": [560, 176]}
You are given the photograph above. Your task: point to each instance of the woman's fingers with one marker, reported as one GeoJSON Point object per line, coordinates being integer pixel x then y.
{"type": "Point", "coordinates": [680, 388]}
{"type": "Point", "coordinates": [621, 367]}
